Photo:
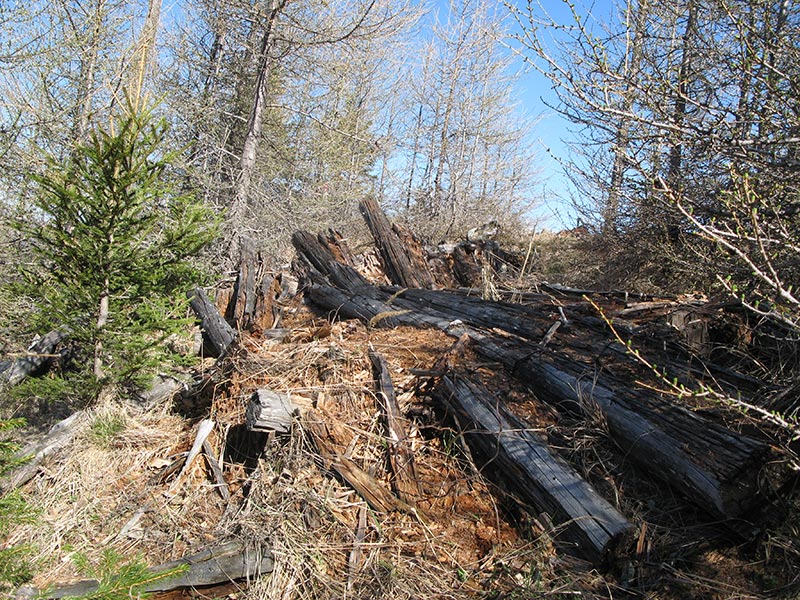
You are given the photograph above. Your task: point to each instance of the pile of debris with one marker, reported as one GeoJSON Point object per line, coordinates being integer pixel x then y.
{"type": "Point", "coordinates": [458, 428]}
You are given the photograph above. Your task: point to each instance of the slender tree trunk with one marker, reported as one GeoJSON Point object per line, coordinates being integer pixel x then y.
{"type": "Point", "coordinates": [144, 51]}
{"type": "Point", "coordinates": [102, 321]}
{"type": "Point", "coordinates": [88, 67]}
{"type": "Point", "coordinates": [633, 57]}
{"type": "Point", "coordinates": [679, 110]}
{"type": "Point", "coordinates": [772, 40]}
{"type": "Point", "coordinates": [247, 161]}
{"type": "Point", "coordinates": [414, 153]}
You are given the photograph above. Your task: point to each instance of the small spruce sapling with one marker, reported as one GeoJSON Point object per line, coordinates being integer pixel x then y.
{"type": "Point", "coordinates": [113, 238]}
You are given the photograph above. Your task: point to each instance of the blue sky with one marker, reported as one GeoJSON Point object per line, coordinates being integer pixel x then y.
{"type": "Point", "coordinates": [552, 132]}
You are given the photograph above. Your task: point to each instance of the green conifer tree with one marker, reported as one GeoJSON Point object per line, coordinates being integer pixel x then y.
{"type": "Point", "coordinates": [113, 237]}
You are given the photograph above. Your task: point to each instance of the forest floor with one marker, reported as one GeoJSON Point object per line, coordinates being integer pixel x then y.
{"type": "Point", "coordinates": [113, 489]}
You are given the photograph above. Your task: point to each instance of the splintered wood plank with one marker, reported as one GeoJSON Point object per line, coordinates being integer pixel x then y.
{"type": "Point", "coordinates": [402, 258]}
{"type": "Point", "coordinates": [250, 306]}
{"type": "Point", "coordinates": [401, 456]}
{"type": "Point", "coordinates": [324, 430]}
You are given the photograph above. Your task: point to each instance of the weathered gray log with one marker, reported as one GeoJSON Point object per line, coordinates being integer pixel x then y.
{"type": "Point", "coordinates": [712, 466]}
{"type": "Point", "coordinates": [514, 456]}
{"type": "Point", "coordinates": [254, 293]}
{"type": "Point", "coordinates": [322, 260]}
{"type": "Point", "coordinates": [36, 453]}
{"type": "Point", "coordinates": [216, 330]}
{"type": "Point", "coordinates": [401, 456]}
{"type": "Point", "coordinates": [163, 387]}
{"type": "Point", "coordinates": [270, 411]}
{"type": "Point", "coordinates": [38, 358]}
{"type": "Point", "coordinates": [623, 295]}
{"type": "Point", "coordinates": [221, 564]}
{"type": "Point", "coordinates": [402, 258]}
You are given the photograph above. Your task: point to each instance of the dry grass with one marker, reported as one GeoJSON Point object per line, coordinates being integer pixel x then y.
{"type": "Point", "coordinates": [106, 492]}
{"type": "Point", "coordinates": [109, 490]}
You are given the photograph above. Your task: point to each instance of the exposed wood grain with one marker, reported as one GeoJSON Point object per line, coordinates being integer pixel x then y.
{"type": "Point", "coordinates": [402, 257]}
{"type": "Point", "coordinates": [712, 466]}
{"type": "Point", "coordinates": [401, 456]}
{"type": "Point", "coordinates": [516, 457]}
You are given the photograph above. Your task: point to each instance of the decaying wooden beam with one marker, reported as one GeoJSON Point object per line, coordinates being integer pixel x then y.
{"type": "Point", "coordinates": [322, 260]}
{"type": "Point", "coordinates": [254, 292]}
{"type": "Point", "coordinates": [37, 453]}
{"type": "Point", "coordinates": [220, 564]}
{"type": "Point", "coordinates": [402, 257]}
{"type": "Point", "coordinates": [513, 456]}
{"type": "Point", "coordinates": [268, 410]}
{"type": "Point", "coordinates": [216, 330]}
{"type": "Point", "coordinates": [338, 247]}
{"type": "Point", "coordinates": [401, 456]}
{"type": "Point", "coordinates": [324, 430]}
{"type": "Point", "coordinates": [36, 360]}
{"type": "Point", "coordinates": [712, 466]}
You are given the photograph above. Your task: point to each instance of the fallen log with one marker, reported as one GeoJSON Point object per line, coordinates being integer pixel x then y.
{"type": "Point", "coordinates": [564, 290]}
{"type": "Point", "coordinates": [36, 360]}
{"type": "Point", "coordinates": [216, 330]}
{"type": "Point", "coordinates": [321, 260]}
{"type": "Point", "coordinates": [37, 453]}
{"type": "Point", "coordinates": [517, 458]}
{"type": "Point", "coordinates": [401, 456]}
{"type": "Point", "coordinates": [221, 564]}
{"type": "Point", "coordinates": [712, 466]}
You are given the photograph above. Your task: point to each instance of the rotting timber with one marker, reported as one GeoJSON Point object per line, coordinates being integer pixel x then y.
{"type": "Point", "coordinates": [710, 465]}
{"type": "Point", "coordinates": [514, 456]}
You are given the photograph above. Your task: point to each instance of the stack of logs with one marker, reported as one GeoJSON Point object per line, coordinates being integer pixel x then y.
{"type": "Point", "coordinates": [554, 341]}
{"type": "Point", "coordinates": [712, 466]}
